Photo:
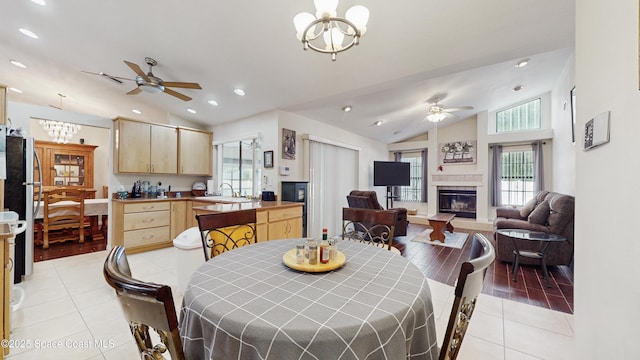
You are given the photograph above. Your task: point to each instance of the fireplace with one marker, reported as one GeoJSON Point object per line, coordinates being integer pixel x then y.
{"type": "Point", "coordinates": [459, 202]}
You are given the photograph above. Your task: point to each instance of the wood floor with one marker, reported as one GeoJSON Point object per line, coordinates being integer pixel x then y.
{"type": "Point", "coordinates": [439, 263]}
{"type": "Point", "coordinates": [442, 264]}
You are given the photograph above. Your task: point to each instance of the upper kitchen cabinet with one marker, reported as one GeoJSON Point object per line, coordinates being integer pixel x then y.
{"type": "Point", "coordinates": [196, 149]}
{"type": "Point", "coordinates": [145, 148]}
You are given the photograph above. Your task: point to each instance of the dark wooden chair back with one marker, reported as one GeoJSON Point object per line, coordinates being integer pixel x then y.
{"type": "Point", "coordinates": [224, 231]}
{"type": "Point", "coordinates": [64, 210]}
{"type": "Point", "coordinates": [145, 305]}
{"type": "Point", "coordinates": [370, 226]}
{"type": "Point", "coordinates": [468, 287]}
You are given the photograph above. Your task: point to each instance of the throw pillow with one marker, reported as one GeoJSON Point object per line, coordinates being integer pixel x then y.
{"type": "Point", "coordinates": [540, 214]}
{"type": "Point", "coordinates": [528, 207]}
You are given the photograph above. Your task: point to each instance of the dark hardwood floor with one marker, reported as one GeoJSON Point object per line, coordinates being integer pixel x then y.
{"type": "Point", "coordinates": [442, 264]}
{"type": "Point", "coordinates": [438, 263]}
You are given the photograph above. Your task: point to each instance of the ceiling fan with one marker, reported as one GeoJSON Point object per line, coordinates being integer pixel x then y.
{"type": "Point", "coordinates": [438, 112]}
{"type": "Point", "coordinates": [149, 82]}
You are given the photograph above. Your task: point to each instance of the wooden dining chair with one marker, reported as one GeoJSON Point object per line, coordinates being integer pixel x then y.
{"type": "Point", "coordinates": [224, 231]}
{"type": "Point", "coordinates": [370, 226]}
{"type": "Point", "coordinates": [467, 289]}
{"type": "Point", "coordinates": [64, 210]}
{"type": "Point", "coordinates": [145, 305]}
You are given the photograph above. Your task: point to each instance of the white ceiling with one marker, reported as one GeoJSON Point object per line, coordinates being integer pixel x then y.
{"type": "Point", "coordinates": [413, 50]}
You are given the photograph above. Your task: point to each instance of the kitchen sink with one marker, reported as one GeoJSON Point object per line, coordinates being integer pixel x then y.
{"type": "Point", "coordinates": [224, 199]}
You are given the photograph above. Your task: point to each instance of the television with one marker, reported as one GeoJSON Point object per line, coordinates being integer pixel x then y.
{"type": "Point", "coordinates": [391, 173]}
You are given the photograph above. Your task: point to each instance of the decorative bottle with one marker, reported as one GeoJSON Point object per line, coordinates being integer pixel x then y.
{"type": "Point", "coordinates": [324, 248]}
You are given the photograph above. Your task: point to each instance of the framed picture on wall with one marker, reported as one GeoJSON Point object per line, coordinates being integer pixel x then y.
{"type": "Point", "coordinates": [268, 159]}
{"type": "Point", "coordinates": [288, 144]}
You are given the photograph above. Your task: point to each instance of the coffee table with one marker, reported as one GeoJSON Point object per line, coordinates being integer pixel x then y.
{"type": "Point", "coordinates": [439, 222]}
{"type": "Point", "coordinates": [544, 239]}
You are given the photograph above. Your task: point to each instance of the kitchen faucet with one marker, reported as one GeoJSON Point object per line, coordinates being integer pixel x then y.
{"type": "Point", "coordinates": [233, 194]}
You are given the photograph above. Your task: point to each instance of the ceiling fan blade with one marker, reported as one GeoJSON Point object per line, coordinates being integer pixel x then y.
{"type": "Point", "coordinates": [459, 108]}
{"type": "Point", "coordinates": [137, 70]}
{"type": "Point", "coordinates": [185, 85]}
{"type": "Point", "coordinates": [134, 91]}
{"type": "Point", "coordinates": [177, 94]}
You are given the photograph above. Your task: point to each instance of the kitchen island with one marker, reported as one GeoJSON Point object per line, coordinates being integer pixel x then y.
{"type": "Point", "coordinates": [141, 224]}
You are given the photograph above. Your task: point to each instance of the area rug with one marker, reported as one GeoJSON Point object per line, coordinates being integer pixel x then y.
{"type": "Point", "coordinates": [453, 240]}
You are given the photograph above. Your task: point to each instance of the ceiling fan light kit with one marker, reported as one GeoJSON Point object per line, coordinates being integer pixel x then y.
{"type": "Point", "coordinates": [328, 34]}
{"type": "Point", "coordinates": [438, 112]}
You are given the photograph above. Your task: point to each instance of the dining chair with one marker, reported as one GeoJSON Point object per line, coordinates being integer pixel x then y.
{"type": "Point", "coordinates": [145, 305]}
{"type": "Point", "coordinates": [63, 210]}
{"type": "Point", "coordinates": [224, 231]}
{"type": "Point", "coordinates": [467, 289]}
{"type": "Point", "coordinates": [370, 226]}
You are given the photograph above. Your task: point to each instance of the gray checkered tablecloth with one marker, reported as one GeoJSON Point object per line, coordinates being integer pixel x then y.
{"type": "Point", "coordinates": [246, 304]}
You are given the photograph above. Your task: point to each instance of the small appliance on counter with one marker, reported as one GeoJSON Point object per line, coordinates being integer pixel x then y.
{"type": "Point", "coordinates": [136, 191]}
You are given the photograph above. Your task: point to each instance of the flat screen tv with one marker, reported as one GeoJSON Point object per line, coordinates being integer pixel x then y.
{"type": "Point", "coordinates": [391, 173]}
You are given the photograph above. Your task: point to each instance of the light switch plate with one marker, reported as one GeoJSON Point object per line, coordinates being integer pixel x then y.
{"type": "Point", "coordinates": [596, 131]}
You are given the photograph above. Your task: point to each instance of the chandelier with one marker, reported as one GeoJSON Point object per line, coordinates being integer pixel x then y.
{"type": "Point", "coordinates": [60, 132]}
{"type": "Point", "coordinates": [338, 34]}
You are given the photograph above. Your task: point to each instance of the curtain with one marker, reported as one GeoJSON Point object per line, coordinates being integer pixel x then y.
{"type": "Point", "coordinates": [333, 173]}
{"type": "Point", "coordinates": [496, 176]}
{"type": "Point", "coordinates": [425, 175]}
{"type": "Point", "coordinates": [538, 166]}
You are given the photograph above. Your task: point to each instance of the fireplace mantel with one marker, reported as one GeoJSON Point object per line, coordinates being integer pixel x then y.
{"type": "Point", "coordinates": [442, 178]}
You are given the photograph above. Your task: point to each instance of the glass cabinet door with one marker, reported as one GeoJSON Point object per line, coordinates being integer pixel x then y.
{"type": "Point", "coordinates": [68, 170]}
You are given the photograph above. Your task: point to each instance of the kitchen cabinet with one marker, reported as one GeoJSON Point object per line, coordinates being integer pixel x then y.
{"type": "Point", "coordinates": [142, 225]}
{"type": "Point", "coordinates": [196, 151]}
{"type": "Point", "coordinates": [179, 217]}
{"type": "Point", "coordinates": [145, 148]}
{"type": "Point", "coordinates": [285, 223]}
{"type": "Point", "coordinates": [68, 165]}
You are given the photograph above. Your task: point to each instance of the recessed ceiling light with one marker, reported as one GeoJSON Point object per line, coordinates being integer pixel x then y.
{"type": "Point", "coordinates": [29, 33]}
{"type": "Point", "coordinates": [39, 2]}
{"type": "Point", "coordinates": [136, 111]}
{"type": "Point", "coordinates": [378, 123]}
{"type": "Point", "coordinates": [347, 108]}
{"type": "Point", "coordinates": [191, 110]}
{"type": "Point", "coordinates": [517, 87]}
{"type": "Point", "coordinates": [239, 92]}
{"type": "Point", "coordinates": [15, 90]}
{"type": "Point", "coordinates": [522, 63]}
{"type": "Point", "coordinates": [212, 102]}
{"type": "Point", "coordinates": [18, 64]}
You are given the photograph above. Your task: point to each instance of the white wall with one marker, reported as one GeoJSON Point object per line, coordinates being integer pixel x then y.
{"type": "Point", "coordinates": [564, 161]}
{"type": "Point", "coordinates": [606, 272]}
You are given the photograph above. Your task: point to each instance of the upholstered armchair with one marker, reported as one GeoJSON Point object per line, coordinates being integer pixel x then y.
{"type": "Point", "coordinates": [548, 212]}
{"type": "Point", "coordinates": [369, 200]}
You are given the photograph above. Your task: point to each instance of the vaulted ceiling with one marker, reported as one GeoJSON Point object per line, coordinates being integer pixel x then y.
{"type": "Point", "coordinates": [413, 50]}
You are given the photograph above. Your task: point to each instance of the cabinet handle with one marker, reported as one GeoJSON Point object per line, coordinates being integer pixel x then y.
{"type": "Point", "coordinates": [148, 207]}
{"type": "Point", "coordinates": [147, 237]}
{"type": "Point", "coordinates": [148, 220]}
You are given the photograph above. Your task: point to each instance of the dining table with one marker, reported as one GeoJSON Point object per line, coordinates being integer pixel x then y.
{"type": "Point", "coordinates": [247, 304]}
{"type": "Point", "coordinates": [97, 210]}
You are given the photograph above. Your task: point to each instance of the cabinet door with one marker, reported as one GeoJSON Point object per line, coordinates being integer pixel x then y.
{"type": "Point", "coordinates": [285, 229]}
{"type": "Point", "coordinates": [133, 147]}
{"type": "Point", "coordinates": [178, 218]}
{"type": "Point", "coordinates": [195, 152]}
{"type": "Point", "coordinates": [164, 150]}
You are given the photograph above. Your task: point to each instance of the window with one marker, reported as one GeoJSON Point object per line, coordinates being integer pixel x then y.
{"type": "Point", "coordinates": [412, 192]}
{"type": "Point", "coordinates": [522, 117]}
{"type": "Point", "coordinates": [518, 177]}
{"type": "Point", "coordinates": [238, 166]}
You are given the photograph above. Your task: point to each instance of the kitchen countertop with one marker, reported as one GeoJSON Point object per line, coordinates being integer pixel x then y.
{"type": "Point", "coordinates": [246, 206]}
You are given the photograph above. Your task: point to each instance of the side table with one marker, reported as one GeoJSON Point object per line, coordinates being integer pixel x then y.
{"type": "Point", "coordinates": [544, 239]}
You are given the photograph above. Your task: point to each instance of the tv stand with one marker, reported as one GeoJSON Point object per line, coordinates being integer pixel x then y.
{"type": "Point", "coordinates": [390, 197]}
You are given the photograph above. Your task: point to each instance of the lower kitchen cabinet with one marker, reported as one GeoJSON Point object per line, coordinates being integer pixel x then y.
{"type": "Point", "coordinates": [142, 226]}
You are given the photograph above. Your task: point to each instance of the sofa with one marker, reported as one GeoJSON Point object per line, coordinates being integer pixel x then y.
{"type": "Point", "coordinates": [369, 200]}
{"type": "Point", "coordinates": [549, 212]}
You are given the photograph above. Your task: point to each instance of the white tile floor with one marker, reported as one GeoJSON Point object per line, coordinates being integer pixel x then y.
{"type": "Point", "coordinates": [70, 312]}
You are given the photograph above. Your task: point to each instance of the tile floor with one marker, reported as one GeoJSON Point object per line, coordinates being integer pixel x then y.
{"type": "Point", "coordinates": [70, 312]}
